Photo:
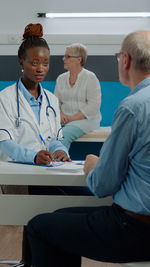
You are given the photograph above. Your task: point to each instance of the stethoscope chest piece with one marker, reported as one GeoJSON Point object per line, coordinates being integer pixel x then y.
{"type": "Point", "coordinates": [18, 122]}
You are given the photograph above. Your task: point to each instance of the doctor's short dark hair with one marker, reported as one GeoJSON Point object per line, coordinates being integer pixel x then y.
{"type": "Point", "coordinates": [32, 37]}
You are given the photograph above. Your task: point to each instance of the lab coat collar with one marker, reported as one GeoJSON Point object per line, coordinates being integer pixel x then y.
{"type": "Point", "coordinates": [27, 94]}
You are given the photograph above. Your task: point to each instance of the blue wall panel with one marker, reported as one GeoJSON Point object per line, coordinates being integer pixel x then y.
{"type": "Point", "coordinates": [112, 94]}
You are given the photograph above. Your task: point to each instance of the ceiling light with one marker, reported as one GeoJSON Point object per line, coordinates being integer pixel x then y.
{"type": "Point", "coordinates": [96, 15]}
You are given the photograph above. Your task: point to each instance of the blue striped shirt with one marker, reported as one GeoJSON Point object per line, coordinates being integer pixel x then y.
{"type": "Point", "coordinates": [123, 169]}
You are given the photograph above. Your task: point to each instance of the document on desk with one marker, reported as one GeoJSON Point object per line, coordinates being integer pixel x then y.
{"type": "Point", "coordinates": [68, 166]}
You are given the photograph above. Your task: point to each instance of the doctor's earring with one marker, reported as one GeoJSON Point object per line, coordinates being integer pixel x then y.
{"type": "Point", "coordinates": [22, 70]}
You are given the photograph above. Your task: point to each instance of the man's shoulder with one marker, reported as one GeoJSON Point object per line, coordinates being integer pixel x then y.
{"type": "Point", "coordinates": [137, 101]}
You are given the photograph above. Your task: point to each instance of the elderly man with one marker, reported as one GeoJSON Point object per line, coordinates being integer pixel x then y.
{"type": "Point", "coordinates": [121, 232]}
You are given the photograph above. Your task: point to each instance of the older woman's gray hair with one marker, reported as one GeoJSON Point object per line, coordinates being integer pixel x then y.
{"type": "Point", "coordinates": [79, 50]}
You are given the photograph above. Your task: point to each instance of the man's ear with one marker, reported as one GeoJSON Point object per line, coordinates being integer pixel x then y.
{"type": "Point", "coordinates": [127, 60]}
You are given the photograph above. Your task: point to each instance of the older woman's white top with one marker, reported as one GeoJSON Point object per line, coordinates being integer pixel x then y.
{"type": "Point", "coordinates": [84, 96]}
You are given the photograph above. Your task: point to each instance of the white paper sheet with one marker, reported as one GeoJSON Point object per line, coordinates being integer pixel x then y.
{"type": "Point", "coordinates": [73, 166]}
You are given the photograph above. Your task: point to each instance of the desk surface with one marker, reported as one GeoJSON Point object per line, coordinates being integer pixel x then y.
{"type": "Point", "coordinates": [18, 209]}
{"type": "Point", "coordinates": [23, 174]}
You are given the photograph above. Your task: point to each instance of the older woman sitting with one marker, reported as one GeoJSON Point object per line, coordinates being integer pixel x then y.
{"type": "Point", "coordinates": [79, 94]}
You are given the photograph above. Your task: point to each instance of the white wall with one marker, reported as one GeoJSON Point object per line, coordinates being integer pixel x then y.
{"type": "Point", "coordinates": [102, 36]}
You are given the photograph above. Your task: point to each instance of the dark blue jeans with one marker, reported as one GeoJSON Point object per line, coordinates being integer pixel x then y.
{"type": "Point", "coordinates": [107, 234]}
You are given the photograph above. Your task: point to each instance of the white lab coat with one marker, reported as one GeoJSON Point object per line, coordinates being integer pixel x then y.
{"type": "Point", "coordinates": [28, 134]}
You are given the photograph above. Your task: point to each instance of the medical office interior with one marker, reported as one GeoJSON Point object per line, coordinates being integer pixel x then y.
{"type": "Point", "coordinates": [101, 35]}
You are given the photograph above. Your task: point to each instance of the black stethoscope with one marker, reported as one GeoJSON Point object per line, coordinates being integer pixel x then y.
{"type": "Point", "coordinates": [18, 120]}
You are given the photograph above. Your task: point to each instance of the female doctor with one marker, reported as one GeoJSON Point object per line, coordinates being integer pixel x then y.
{"type": "Point", "coordinates": [29, 115]}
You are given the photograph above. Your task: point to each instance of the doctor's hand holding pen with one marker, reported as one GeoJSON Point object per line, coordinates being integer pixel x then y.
{"type": "Point", "coordinates": [44, 157]}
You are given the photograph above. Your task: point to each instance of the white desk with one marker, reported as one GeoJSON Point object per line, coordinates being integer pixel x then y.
{"type": "Point", "coordinates": [18, 209]}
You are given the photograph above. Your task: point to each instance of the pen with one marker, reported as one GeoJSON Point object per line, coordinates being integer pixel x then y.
{"type": "Point", "coordinates": [42, 140]}
{"type": "Point", "coordinates": [53, 161]}
{"type": "Point", "coordinates": [44, 143]}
